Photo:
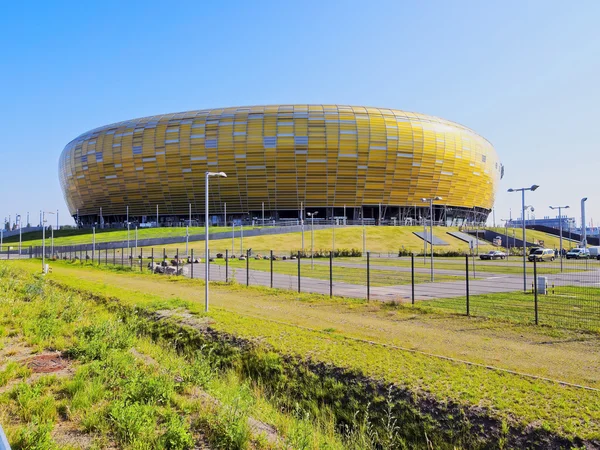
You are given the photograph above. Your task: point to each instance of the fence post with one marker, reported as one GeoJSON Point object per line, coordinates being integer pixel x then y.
{"type": "Point", "coordinates": [191, 262]}
{"type": "Point", "coordinates": [248, 267]}
{"type": "Point", "coordinates": [122, 261]}
{"type": "Point", "coordinates": [271, 261]}
{"type": "Point", "coordinates": [131, 257]}
{"type": "Point", "coordinates": [330, 274]}
{"type": "Point", "coordinates": [535, 290]}
{"type": "Point", "coordinates": [177, 263]}
{"type": "Point", "coordinates": [467, 282]}
{"type": "Point", "coordinates": [298, 271]}
{"type": "Point", "coordinates": [141, 259]}
{"type": "Point", "coordinates": [30, 252]}
{"type": "Point", "coordinates": [114, 256]}
{"type": "Point", "coordinates": [368, 276]}
{"type": "Point", "coordinates": [106, 256]}
{"type": "Point", "coordinates": [412, 277]}
{"type": "Point", "coordinates": [226, 266]}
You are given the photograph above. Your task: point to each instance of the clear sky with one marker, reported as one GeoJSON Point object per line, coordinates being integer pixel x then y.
{"type": "Point", "coordinates": [524, 74]}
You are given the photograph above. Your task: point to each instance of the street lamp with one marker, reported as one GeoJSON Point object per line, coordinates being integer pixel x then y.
{"type": "Point", "coordinates": [312, 237]}
{"type": "Point", "coordinates": [583, 230]}
{"type": "Point", "coordinates": [507, 246]}
{"type": "Point", "coordinates": [522, 190]}
{"type": "Point", "coordinates": [44, 239]}
{"type": "Point", "coordinates": [18, 219]}
{"type": "Point", "coordinates": [206, 255]}
{"type": "Point", "coordinates": [430, 200]}
{"type": "Point", "coordinates": [560, 208]}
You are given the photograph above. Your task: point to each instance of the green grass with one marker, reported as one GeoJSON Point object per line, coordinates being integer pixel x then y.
{"type": "Point", "coordinates": [535, 236]}
{"type": "Point", "coordinates": [292, 325]}
{"type": "Point", "coordinates": [513, 266]}
{"type": "Point", "coordinates": [378, 239]}
{"type": "Point", "coordinates": [320, 270]}
{"type": "Point", "coordinates": [74, 237]}
{"type": "Point", "coordinates": [563, 306]}
{"type": "Point", "coordinates": [119, 394]}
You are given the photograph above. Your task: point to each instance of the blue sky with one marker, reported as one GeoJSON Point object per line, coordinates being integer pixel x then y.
{"type": "Point", "coordinates": [524, 74]}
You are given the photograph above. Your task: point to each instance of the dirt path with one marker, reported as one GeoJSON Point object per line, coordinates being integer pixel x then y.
{"type": "Point", "coordinates": [558, 354]}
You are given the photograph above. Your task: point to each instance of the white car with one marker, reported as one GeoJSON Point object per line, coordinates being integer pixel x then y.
{"type": "Point", "coordinates": [578, 253]}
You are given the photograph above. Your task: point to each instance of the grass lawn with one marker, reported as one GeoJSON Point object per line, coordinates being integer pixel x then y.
{"type": "Point", "coordinates": [345, 274]}
{"type": "Point", "coordinates": [110, 386]}
{"type": "Point", "coordinates": [534, 236]}
{"type": "Point", "coordinates": [336, 332]}
{"type": "Point", "coordinates": [73, 237]}
{"type": "Point", "coordinates": [378, 239]}
{"type": "Point", "coordinates": [512, 267]}
{"type": "Point", "coordinates": [566, 306]}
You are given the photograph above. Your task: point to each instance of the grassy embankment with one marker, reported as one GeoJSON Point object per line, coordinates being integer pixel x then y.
{"type": "Point", "coordinates": [117, 387]}
{"type": "Point", "coordinates": [550, 241]}
{"type": "Point", "coordinates": [335, 333]}
{"type": "Point", "coordinates": [74, 237]}
{"type": "Point", "coordinates": [378, 239]}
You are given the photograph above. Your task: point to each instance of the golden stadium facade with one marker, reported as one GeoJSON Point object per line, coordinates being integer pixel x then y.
{"type": "Point", "coordinates": [375, 162]}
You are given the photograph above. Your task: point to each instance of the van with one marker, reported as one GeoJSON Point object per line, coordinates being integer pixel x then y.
{"type": "Point", "coordinates": [542, 254]}
{"type": "Point", "coordinates": [578, 253]}
{"type": "Point", "coordinates": [594, 252]}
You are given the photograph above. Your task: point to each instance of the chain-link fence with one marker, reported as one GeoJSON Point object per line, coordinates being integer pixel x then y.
{"type": "Point", "coordinates": [556, 292]}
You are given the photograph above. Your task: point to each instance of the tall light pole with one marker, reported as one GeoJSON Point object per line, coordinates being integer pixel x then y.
{"type": "Point", "coordinates": [187, 231]}
{"type": "Point", "coordinates": [522, 190]}
{"type": "Point", "coordinates": [312, 237]}
{"type": "Point", "coordinates": [583, 228]}
{"type": "Point", "coordinates": [44, 239]}
{"type": "Point", "coordinates": [506, 222]}
{"type": "Point", "coordinates": [302, 224]}
{"type": "Point", "coordinates": [127, 229]}
{"type": "Point", "coordinates": [431, 200]}
{"type": "Point", "coordinates": [18, 220]}
{"type": "Point", "coordinates": [560, 208]}
{"type": "Point", "coordinates": [206, 254]}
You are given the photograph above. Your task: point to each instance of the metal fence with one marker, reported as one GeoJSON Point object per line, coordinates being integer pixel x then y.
{"type": "Point", "coordinates": [563, 293]}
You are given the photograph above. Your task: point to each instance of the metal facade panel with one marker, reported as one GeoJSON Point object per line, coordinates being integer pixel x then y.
{"type": "Point", "coordinates": [282, 155]}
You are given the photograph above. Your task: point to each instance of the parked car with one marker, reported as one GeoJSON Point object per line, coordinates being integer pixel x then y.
{"type": "Point", "coordinates": [542, 254]}
{"type": "Point", "coordinates": [493, 254]}
{"type": "Point", "coordinates": [578, 253]}
{"type": "Point", "coordinates": [532, 250]}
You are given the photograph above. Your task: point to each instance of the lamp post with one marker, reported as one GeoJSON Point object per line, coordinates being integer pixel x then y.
{"type": "Point", "coordinates": [560, 208]}
{"type": "Point", "coordinates": [206, 254]}
{"type": "Point", "coordinates": [302, 224]}
{"type": "Point", "coordinates": [430, 200]}
{"type": "Point", "coordinates": [187, 231]}
{"type": "Point", "coordinates": [44, 239]}
{"type": "Point", "coordinates": [127, 219]}
{"type": "Point", "coordinates": [522, 190]}
{"type": "Point", "coordinates": [507, 245]}
{"type": "Point", "coordinates": [18, 220]}
{"type": "Point", "coordinates": [312, 237]}
{"type": "Point", "coordinates": [583, 230]}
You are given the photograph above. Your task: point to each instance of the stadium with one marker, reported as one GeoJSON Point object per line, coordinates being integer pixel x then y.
{"type": "Point", "coordinates": [358, 162]}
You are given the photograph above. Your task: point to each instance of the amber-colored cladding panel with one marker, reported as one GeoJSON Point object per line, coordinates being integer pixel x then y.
{"type": "Point", "coordinates": [322, 155]}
